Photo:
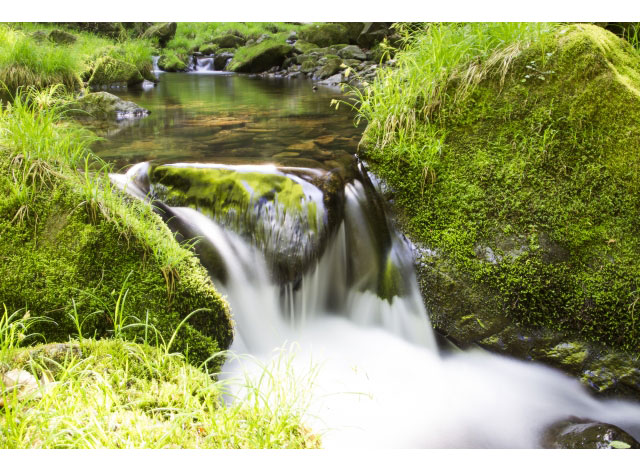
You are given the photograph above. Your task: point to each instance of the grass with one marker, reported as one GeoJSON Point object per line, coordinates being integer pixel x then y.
{"type": "Point", "coordinates": [189, 36]}
{"type": "Point", "coordinates": [119, 394]}
{"type": "Point", "coordinates": [429, 61]}
{"type": "Point", "coordinates": [26, 61]}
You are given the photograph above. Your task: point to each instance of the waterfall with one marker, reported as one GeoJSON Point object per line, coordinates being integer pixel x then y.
{"type": "Point", "coordinates": [361, 329]}
{"type": "Point", "coordinates": [156, 70]}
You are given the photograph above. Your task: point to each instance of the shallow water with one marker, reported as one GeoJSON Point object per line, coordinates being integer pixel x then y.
{"type": "Point", "coordinates": [366, 367]}
{"type": "Point", "coordinates": [232, 119]}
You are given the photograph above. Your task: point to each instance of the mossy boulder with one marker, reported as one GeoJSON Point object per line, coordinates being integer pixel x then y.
{"type": "Point", "coordinates": [98, 264]}
{"type": "Point", "coordinates": [104, 106]}
{"type": "Point", "coordinates": [230, 41]}
{"type": "Point", "coordinates": [260, 57]}
{"type": "Point", "coordinates": [162, 32]}
{"type": "Point", "coordinates": [352, 52]}
{"type": "Point", "coordinates": [208, 49]}
{"type": "Point", "coordinates": [325, 34]}
{"type": "Point", "coordinates": [526, 209]}
{"type": "Point", "coordinates": [331, 67]}
{"type": "Point", "coordinates": [302, 213]}
{"type": "Point", "coordinates": [303, 47]}
{"type": "Point", "coordinates": [172, 62]}
{"type": "Point", "coordinates": [109, 71]}
{"type": "Point", "coordinates": [61, 37]}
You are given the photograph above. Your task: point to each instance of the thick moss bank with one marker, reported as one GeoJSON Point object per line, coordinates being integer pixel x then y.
{"type": "Point", "coordinates": [73, 250]}
{"type": "Point", "coordinates": [521, 185]}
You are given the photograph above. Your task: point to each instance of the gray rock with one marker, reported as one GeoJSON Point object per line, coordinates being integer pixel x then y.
{"type": "Point", "coordinates": [352, 52]}
{"type": "Point", "coordinates": [105, 106]}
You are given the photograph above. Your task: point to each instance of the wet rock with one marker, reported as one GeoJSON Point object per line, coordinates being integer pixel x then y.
{"type": "Point", "coordinates": [105, 106]}
{"type": "Point", "coordinates": [614, 374]}
{"type": "Point", "coordinates": [578, 433]}
{"type": "Point", "coordinates": [221, 60]}
{"type": "Point", "coordinates": [162, 32]}
{"type": "Point", "coordinates": [333, 81]}
{"type": "Point", "coordinates": [282, 211]}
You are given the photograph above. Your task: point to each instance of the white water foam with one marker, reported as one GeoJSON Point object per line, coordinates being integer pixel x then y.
{"type": "Point", "coordinates": [371, 365]}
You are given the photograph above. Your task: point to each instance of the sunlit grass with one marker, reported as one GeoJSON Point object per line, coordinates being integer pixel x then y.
{"type": "Point", "coordinates": [428, 62]}
{"type": "Point", "coordinates": [119, 394]}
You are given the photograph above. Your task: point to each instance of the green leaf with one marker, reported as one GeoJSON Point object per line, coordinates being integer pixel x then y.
{"type": "Point", "coordinates": [619, 445]}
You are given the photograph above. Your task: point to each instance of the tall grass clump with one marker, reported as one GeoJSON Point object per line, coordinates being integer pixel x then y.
{"type": "Point", "coordinates": [115, 393]}
{"type": "Point", "coordinates": [431, 59]}
{"type": "Point", "coordinates": [27, 62]}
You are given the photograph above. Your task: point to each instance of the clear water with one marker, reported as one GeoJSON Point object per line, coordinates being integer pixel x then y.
{"type": "Point", "coordinates": [366, 368]}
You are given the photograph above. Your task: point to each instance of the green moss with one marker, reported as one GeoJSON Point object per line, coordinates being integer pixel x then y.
{"type": "Point", "coordinates": [325, 34]}
{"type": "Point", "coordinates": [304, 46]}
{"type": "Point", "coordinates": [71, 246]}
{"type": "Point", "coordinates": [108, 71]}
{"type": "Point", "coordinates": [172, 62]}
{"type": "Point", "coordinates": [224, 190]}
{"type": "Point", "coordinates": [261, 57]}
{"type": "Point", "coordinates": [546, 154]}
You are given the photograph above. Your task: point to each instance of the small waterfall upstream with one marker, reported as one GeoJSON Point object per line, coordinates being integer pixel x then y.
{"type": "Point", "coordinates": [364, 350]}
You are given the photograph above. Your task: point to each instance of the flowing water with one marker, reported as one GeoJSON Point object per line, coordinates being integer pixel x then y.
{"type": "Point", "coordinates": [348, 311]}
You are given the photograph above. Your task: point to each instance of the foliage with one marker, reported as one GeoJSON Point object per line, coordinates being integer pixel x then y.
{"type": "Point", "coordinates": [119, 394]}
{"type": "Point", "coordinates": [520, 138]}
{"type": "Point", "coordinates": [69, 240]}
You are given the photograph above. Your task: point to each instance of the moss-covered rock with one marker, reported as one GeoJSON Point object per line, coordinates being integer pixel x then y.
{"type": "Point", "coordinates": [208, 49]}
{"type": "Point", "coordinates": [113, 30]}
{"type": "Point", "coordinates": [109, 71]}
{"type": "Point", "coordinates": [104, 106]}
{"type": "Point", "coordinates": [172, 62]}
{"type": "Point", "coordinates": [304, 209]}
{"type": "Point", "coordinates": [230, 41]}
{"type": "Point", "coordinates": [260, 57]}
{"type": "Point", "coordinates": [525, 199]}
{"type": "Point", "coordinates": [162, 32]}
{"type": "Point", "coordinates": [303, 47]}
{"type": "Point", "coordinates": [325, 34]}
{"type": "Point", "coordinates": [86, 259]}
{"type": "Point", "coordinates": [61, 37]}
{"type": "Point", "coordinates": [352, 52]}
{"type": "Point", "coordinates": [331, 67]}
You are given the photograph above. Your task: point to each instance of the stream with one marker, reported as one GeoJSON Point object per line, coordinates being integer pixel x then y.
{"type": "Point", "coordinates": [293, 231]}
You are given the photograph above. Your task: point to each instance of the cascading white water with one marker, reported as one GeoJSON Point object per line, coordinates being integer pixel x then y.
{"type": "Point", "coordinates": [380, 381]}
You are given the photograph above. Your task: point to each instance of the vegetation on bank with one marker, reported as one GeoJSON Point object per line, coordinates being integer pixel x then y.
{"type": "Point", "coordinates": [76, 250]}
{"type": "Point", "coordinates": [114, 393]}
{"type": "Point", "coordinates": [512, 152]}
{"type": "Point", "coordinates": [33, 55]}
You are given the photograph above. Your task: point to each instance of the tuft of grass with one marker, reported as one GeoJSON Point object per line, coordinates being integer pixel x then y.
{"type": "Point", "coordinates": [428, 62]}
{"type": "Point", "coordinates": [28, 61]}
{"type": "Point", "coordinates": [118, 394]}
